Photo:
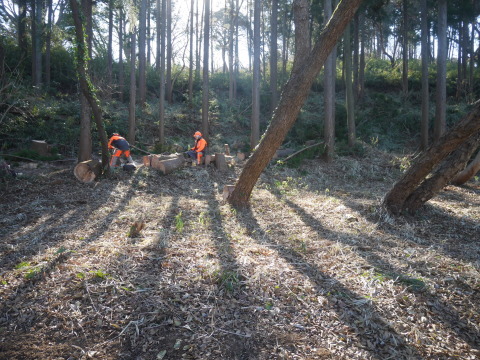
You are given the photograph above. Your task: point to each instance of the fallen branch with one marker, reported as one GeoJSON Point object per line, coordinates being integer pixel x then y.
{"type": "Point", "coordinates": [18, 157]}
{"type": "Point", "coordinates": [302, 150]}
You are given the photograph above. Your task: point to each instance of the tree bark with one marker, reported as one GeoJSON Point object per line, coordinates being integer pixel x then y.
{"type": "Point", "coordinates": [348, 89]}
{"type": "Point", "coordinates": [405, 49]}
{"type": "Point", "coordinates": [443, 175]}
{"type": "Point", "coordinates": [85, 82]}
{"type": "Point", "coordinates": [205, 89]}
{"type": "Point", "coordinates": [190, 69]}
{"type": "Point", "coordinates": [255, 120]}
{"type": "Point", "coordinates": [441, 94]}
{"type": "Point", "coordinates": [469, 172]}
{"type": "Point", "coordinates": [161, 102]}
{"type": "Point", "coordinates": [304, 72]}
{"type": "Point", "coordinates": [168, 81]}
{"type": "Point", "coordinates": [329, 94]}
{"type": "Point", "coordinates": [133, 89]}
{"type": "Point", "coordinates": [425, 88]}
{"type": "Point", "coordinates": [395, 199]}
{"type": "Point", "coordinates": [142, 60]}
{"type": "Point", "coordinates": [273, 57]}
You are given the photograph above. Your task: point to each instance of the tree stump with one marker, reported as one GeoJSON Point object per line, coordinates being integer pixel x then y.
{"type": "Point", "coordinates": [227, 190]}
{"type": "Point", "coordinates": [87, 171]}
{"type": "Point", "coordinates": [227, 149]}
{"type": "Point", "coordinates": [41, 147]}
{"type": "Point", "coordinates": [220, 162]}
{"type": "Point", "coordinates": [209, 159]}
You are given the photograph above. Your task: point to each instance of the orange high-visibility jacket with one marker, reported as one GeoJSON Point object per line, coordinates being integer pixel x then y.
{"type": "Point", "coordinates": [118, 142]}
{"type": "Point", "coordinates": [200, 145]}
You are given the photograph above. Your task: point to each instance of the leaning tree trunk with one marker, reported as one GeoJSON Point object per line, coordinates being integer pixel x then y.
{"type": "Point", "coordinates": [306, 68]}
{"type": "Point", "coordinates": [466, 174]}
{"type": "Point", "coordinates": [443, 175]}
{"type": "Point", "coordinates": [395, 200]}
{"type": "Point", "coordinates": [85, 83]}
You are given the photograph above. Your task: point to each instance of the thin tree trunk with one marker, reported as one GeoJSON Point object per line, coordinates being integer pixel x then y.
{"type": "Point", "coordinates": [469, 126]}
{"type": "Point", "coordinates": [109, 48]}
{"type": "Point", "coordinates": [255, 121]}
{"type": "Point", "coordinates": [273, 57]}
{"type": "Point", "coordinates": [161, 102]}
{"type": "Point", "coordinates": [231, 55]}
{"type": "Point", "coordinates": [168, 81]}
{"type": "Point", "coordinates": [206, 49]}
{"type": "Point", "coordinates": [133, 90]}
{"type": "Point", "coordinates": [306, 68]}
{"type": "Point", "coordinates": [48, 44]}
{"type": "Point", "coordinates": [405, 49]}
{"type": "Point", "coordinates": [22, 32]}
{"type": "Point", "coordinates": [425, 89]}
{"type": "Point", "coordinates": [349, 90]}
{"type": "Point", "coordinates": [142, 33]}
{"type": "Point", "coordinates": [361, 70]}
{"type": "Point", "coordinates": [121, 78]}
{"type": "Point", "coordinates": [329, 94]}
{"type": "Point", "coordinates": [441, 91]}
{"type": "Point", "coordinates": [190, 70]}
{"type": "Point", "coordinates": [85, 84]}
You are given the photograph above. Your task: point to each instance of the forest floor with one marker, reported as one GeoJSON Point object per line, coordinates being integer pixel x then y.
{"type": "Point", "coordinates": [313, 269]}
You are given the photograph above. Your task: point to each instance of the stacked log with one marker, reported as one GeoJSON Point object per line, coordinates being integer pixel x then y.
{"type": "Point", "coordinates": [165, 163]}
{"type": "Point", "coordinates": [87, 171]}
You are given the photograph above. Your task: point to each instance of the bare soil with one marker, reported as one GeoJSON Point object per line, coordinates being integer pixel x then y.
{"type": "Point", "coordinates": [314, 269]}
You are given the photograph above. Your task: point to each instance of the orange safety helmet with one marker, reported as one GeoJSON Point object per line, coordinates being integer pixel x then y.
{"type": "Point", "coordinates": [198, 133]}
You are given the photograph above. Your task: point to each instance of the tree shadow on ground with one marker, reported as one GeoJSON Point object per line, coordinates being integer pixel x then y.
{"type": "Point", "coordinates": [443, 313]}
{"type": "Point", "coordinates": [352, 310]}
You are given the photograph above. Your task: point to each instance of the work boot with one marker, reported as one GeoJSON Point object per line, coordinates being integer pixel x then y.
{"type": "Point", "coordinates": [130, 160]}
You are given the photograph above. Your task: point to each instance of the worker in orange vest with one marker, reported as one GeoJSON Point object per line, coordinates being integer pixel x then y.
{"type": "Point", "coordinates": [121, 146]}
{"type": "Point", "coordinates": [199, 149]}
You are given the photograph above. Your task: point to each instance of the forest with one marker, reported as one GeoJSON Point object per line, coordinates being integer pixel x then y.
{"type": "Point", "coordinates": [334, 215]}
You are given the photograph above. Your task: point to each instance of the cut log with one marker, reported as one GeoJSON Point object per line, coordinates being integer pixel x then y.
{"type": "Point", "coordinates": [151, 160]}
{"type": "Point", "coordinates": [227, 149]}
{"type": "Point", "coordinates": [167, 166]}
{"type": "Point", "coordinates": [220, 162]}
{"type": "Point", "coordinates": [87, 171]}
{"type": "Point", "coordinates": [227, 190]}
{"type": "Point", "coordinates": [41, 147]}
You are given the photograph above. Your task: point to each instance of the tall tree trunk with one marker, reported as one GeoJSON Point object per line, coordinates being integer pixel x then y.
{"type": "Point", "coordinates": [425, 89]}
{"type": "Point", "coordinates": [142, 60]}
{"type": "Point", "coordinates": [109, 48]}
{"type": "Point", "coordinates": [85, 143]}
{"type": "Point", "coordinates": [37, 39]}
{"type": "Point", "coordinates": [190, 70]}
{"type": "Point", "coordinates": [405, 49]}
{"type": "Point", "coordinates": [468, 127]}
{"type": "Point", "coordinates": [22, 32]}
{"type": "Point", "coordinates": [273, 57]}
{"type": "Point", "coordinates": [255, 121]}
{"type": "Point", "coordinates": [349, 90]}
{"type": "Point", "coordinates": [148, 31]}
{"type": "Point", "coordinates": [121, 77]}
{"type": "Point", "coordinates": [85, 83]}
{"type": "Point", "coordinates": [231, 54]}
{"type": "Point", "coordinates": [356, 53]}
{"type": "Point", "coordinates": [158, 38]}
{"type": "Point", "coordinates": [329, 93]}
{"type": "Point", "coordinates": [206, 49]}
{"type": "Point", "coordinates": [48, 44]}
{"type": "Point", "coordinates": [161, 102]}
{"type": "Point", "coordinates": [169, 84]}
{"type": "Point", "coordinates": [306, 68]}
{"type": "Point", "coordinates": [133, 88]}
{"type": "Point", "coordinates": [361, 70]}
{"type": "Point", "coordinates": [441, 91]}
